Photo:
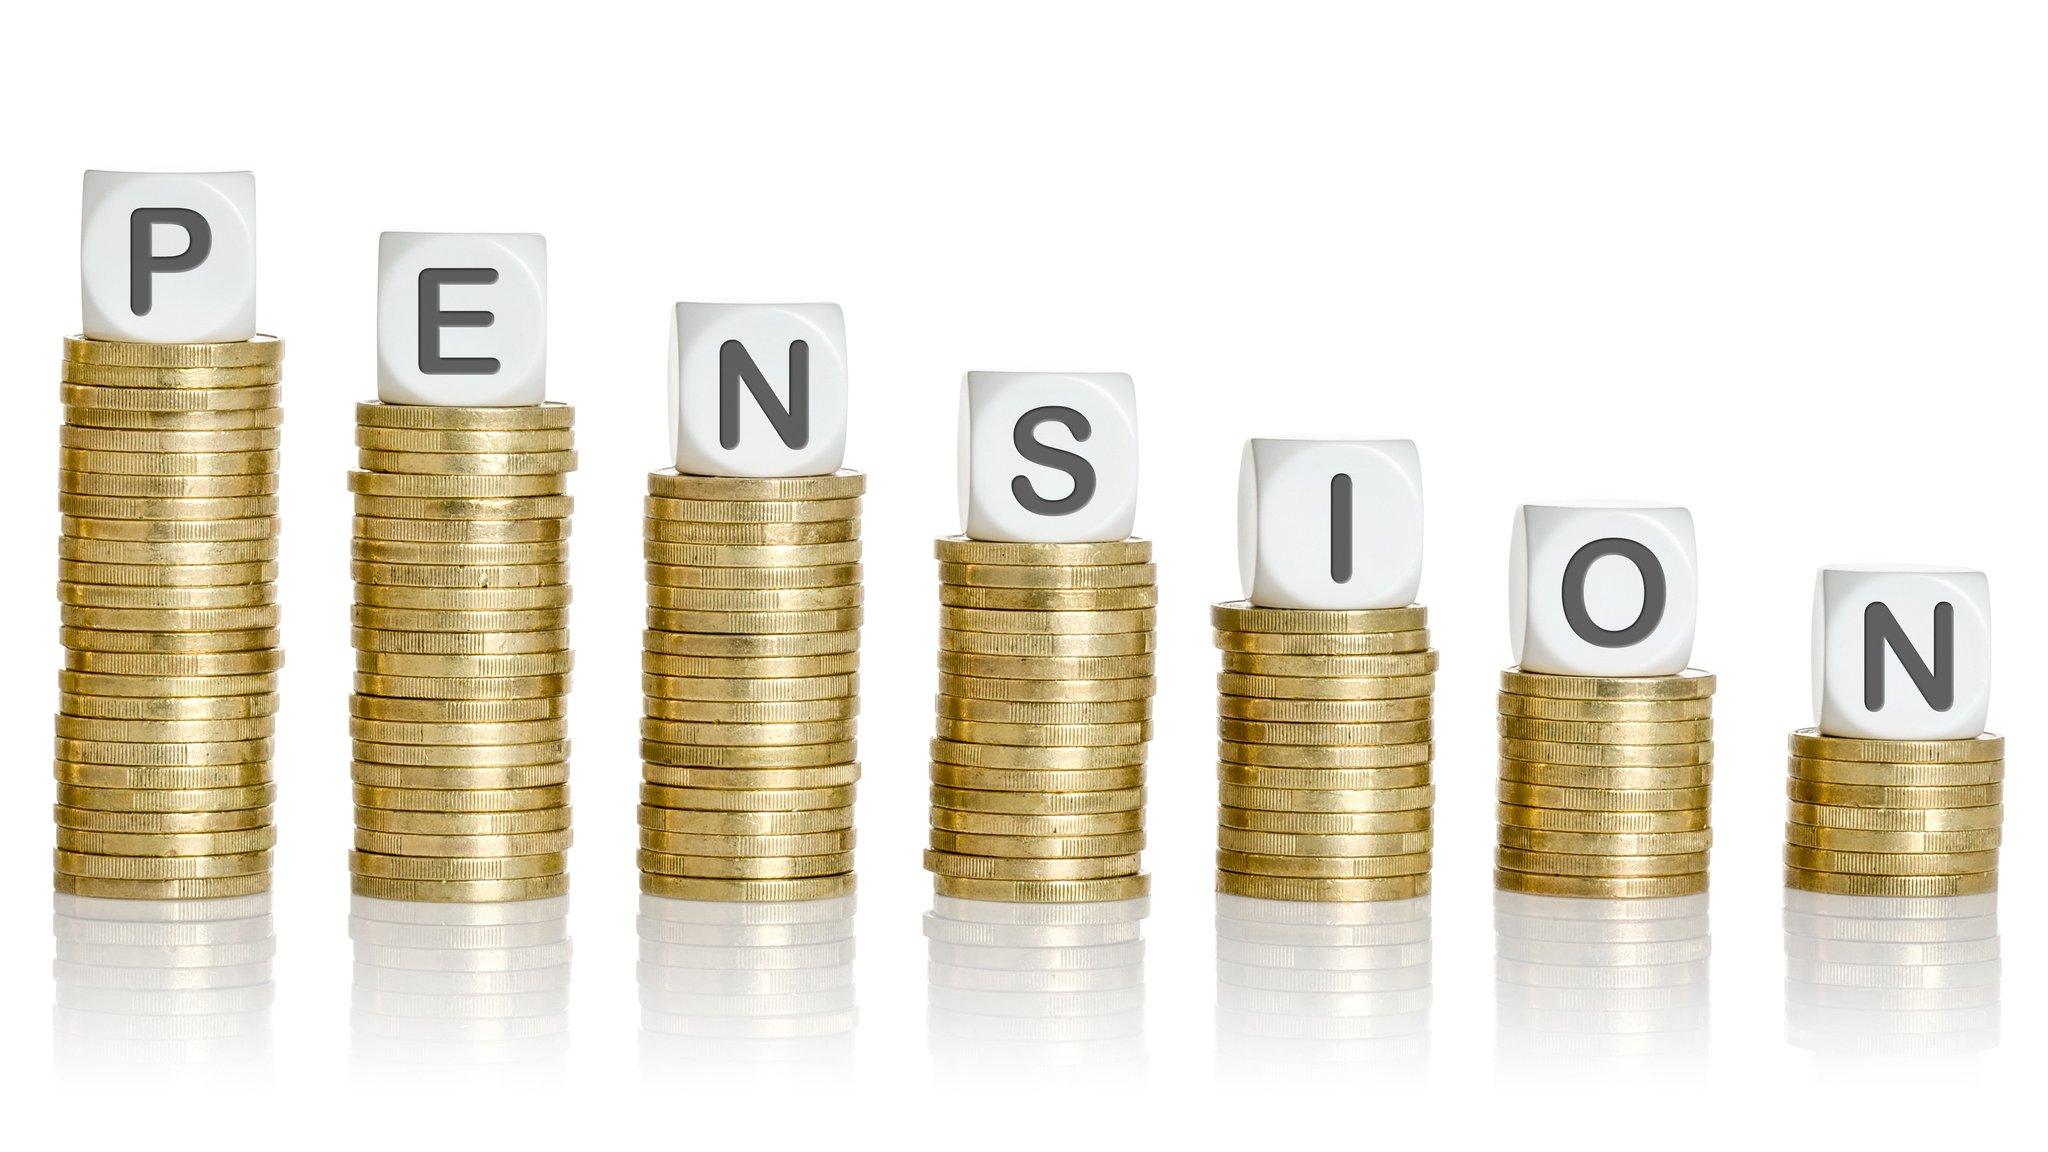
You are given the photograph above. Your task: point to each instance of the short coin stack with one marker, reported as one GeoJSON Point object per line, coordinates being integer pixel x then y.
{"type": "Point", "coordinates": [1323, 773]}
{"type": "Point", "coordinates": [461, 633]}
{"type": "Point", "coordinates": [1044, 713]}
{"type": "Point", "coordinates": [1894, 817]}
{"type": "Point", "coordinates": [1605, 784]}
{"type": "Point", "coordinates": [751, 685]}
{"type": "Point", "coordinates": [168, 480]}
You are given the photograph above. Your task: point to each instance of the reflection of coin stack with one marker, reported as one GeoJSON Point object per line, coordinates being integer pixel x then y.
{"type": "Point", "coordinates": [742, 984]}
{"type": "Point", "coordinates": [751, 686]}
{"type": "Point", "coordinates": [1894, 817]}
{"type": "Point", "coordinates": [152, 983]}
{"type": "Point", "coordinates": [462, 652]}
{"type": "Point", "coordinates": [166, 570]}
{"type": "Point", "coordinates": [1327, 984]}
{"type": "Point", "coordinates": [1892, 980]}
{"type": "Point", "coordinates": [1601, 986]}
{"type": "Point", "coordinates": [440, 985]}
{"type": "Point", "coordinates": [1022, 986]}
{"type": "Point", "coordinates": [1044, 712]}
{"type": "Point", "coordinates": [1605, 783]}
{"type": "Point", "coordinates": [1324, 772]}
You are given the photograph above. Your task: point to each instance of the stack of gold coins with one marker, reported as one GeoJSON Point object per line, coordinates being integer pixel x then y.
{"type": "Point", "coordinates": [166, 566]}
{"type": "Point", "coordinates": [751, 686]}
{"type": "Point", "coordinates": [1604, 784]}
{"type": "Point", "coordinates": [1044, 712]}
{"type": "Point", "coordinates": [462, 652]}
{"type": "Point", "coordinates": [1323, 773]}
{"type": "Point", "coordinates": [1894, 817]}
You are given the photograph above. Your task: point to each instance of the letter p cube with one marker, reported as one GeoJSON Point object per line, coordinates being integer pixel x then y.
{"type": "Point", "coordinates": [169, 258]}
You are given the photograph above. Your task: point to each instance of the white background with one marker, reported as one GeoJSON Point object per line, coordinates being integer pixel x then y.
{"type": "Point", "coordinates": [1779, 262]}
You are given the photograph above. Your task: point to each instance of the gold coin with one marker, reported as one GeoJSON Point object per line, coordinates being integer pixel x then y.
{"type": "Point", "coordinates": [1596, 864]}
{"type": "Point", "coordinates": [127, 440]}
{"type": "Point", "coordinates": [462, 800]}
{"type": "Point", "coordinates": [153, 399]}
{"type": "Point", "coordinates": [1807, 744]}
{"type": "Point", "coordinates": [458, 824]}
{"type": "Point", "coordinates": [460, 643]}
{"type": "Point", "coordinates": [446, 441]}
{"type": "Point", "coordinates": [1341, 667]}
{"type": "Point", "coordinates": [161, 823]}
{"type": "Point", "coordinates": [961, 802]}
{"type": "Point", "coordinates": [1539, 840]}
{"type": "Point", "coordinates": [749, 712]}
{"type": "Point", "coordinates": [711, 689]}
{"type": "Point", "coordinates": [1600, 887]}
{"type": "Point", "coordinates": [1111, 888]}
{"type": "Point", "coordinates": [450, 508]}
{"type": "Point", "coordinates": [1323, 867]}
{"type": "Point", "coordinates": [1323, 711]}
{"type": "Point", "coordinates": [1890, 863]}
{"type": "Point", "coordinates": [194, 754]}
{"type": "Point", "coordinates": [460, 531]}
{"type": "Point", "coordinates": [166, 844]}
{"type": "Point", "coordinates": [82, 351]}
{"type": "Point", "coordinates": [1086, 623]}
{"type": "Point", "coordinates": [398, 484]}
{"type": "Point", "coordinates": [1043, 735]}
{"type": "Point", "coordinates": [1313, 644]}
{"type": "Point", "coordinates": [764, 824]}
{"type": "Point", "coordinates": [157, 687]}
{"type": "Point", "coordinates": [169, 531]}
{"type": "Point", "coordinates": [1382, 844]}
{"type": "Point", "coordinates": [164, 577]}
{"type": "Point", "coordinates": [430, 664]}
{"type": "Point", "coordinates": [144, 596]}
{"type": "Point", "coordinates": [1323, 823]}
{"type": "Point", "coordinates": [171, 552]}
{"type": "Point", "coordinates": [745, 800]}
{"type": "Point", "coordinates": [1040, 757]}
{"type": "Point", "coordinates": [750, 600]}
{"type": "Point", "coordinates": [839, 485]}
{"type": "Point", "coordinates": [172, 619]}
{"type": "Point", "coordinates": [167, 487]}
{"type": "Point", "coordinates": [1325, 889]}
{"type": "Point", "coordinates": [1010, 824]}
{"type": "Point", "coordinates": [1312, 756]}
{"type": "Point", "coordinates": [689, 670]}
{"type": "Point", "coordinates": [1858, 840]}
{"type": "Point", "coordinates": [752, 779]}
{"type": "Point", "coordinates": [153, 463]}
{"type": "Point", "coordinates": [1046, 667]}
{"type": "Point", "coordinates": [753, 556]}
{"type": "Point", "coordinates": [467, 555]}
{"type": "Point", "coordinates": [466, 463]}
{"type": "Point", "coordinates": [1036, 780]}
{"type": "Point", "coordinates": [1049, 713]}
{"type": "Point", "coordinates": [458, 620]}
{"type": "Point", "coordinates": [1015, 645]}
{"type": "Point", "coordinates": [669, 541]}
{"type": "Point", "coordinates": [159, 777]}
{"type": "Point", "coordinates": [669, 509]}
{"type": "Point", "coordinates": [473, 599]}
{"type": "Point", "coordinates": [665, 650]}
{"type": "Point", "coordinates": [511, 844]}
{"type": "Point", "coordinates": [184, 420]}
{"type": "Point", "coordinates": [1603, 823]}
{"type": "Point", "coordinates": [1898, 775]}
{"type": "Point", "coordinates": [1324, 735]}
{"type": "Point", "coordinates": [1048, 577]}
{"type": "Point", "coordinates": [440, 418]}
{"type": "Point", "coordinates": [458, 711]}
{"type": "Point", "coordinates": [159, 867]}
{"type": "Point", "coordinates": [513, 732]}
{"type": "Point", "coordinates": [1049, 599]}
{"type": "Point", "coordinates": [746, 735]}
{"type": "Point", "coordinates": [468, 756]}
{"type": "Point", "coordinates": [167, 507]}
{"type": "Point", "coordinates": [703, 888]}
{"type": "Point", "coordinates": [1048, 691]}
{"type": "Point", "coordinates": [747, 755]}
{"type": "Point", "coordinates": [99, 640]}
{"type": "Point", "coordinates": [1845, 884]}
{"type": "Point", "coordinates": [206, 888]}
{"type": "Point", "coordinates": [1606, 711]}
{"type": "Point", "coordinates": [1885, 796]}
{"type": "Point", "coordinates": [993, 868]}
{"type": "Point", "coordinates": [1897, 819]}
{"type": "Point", "coordinates": [461, 688]}
{"type": "Point", "coordinates": [384, 867]}
{"type": "Point", "coordinates": [453, 777]}
{"type": "Point", "coordinates": [460, 891]}
{"type": "Point", "coordinates": [826, 620]}
{"type": "Point", "coordinates": [1584, 776]}
{"type": "Point", "coordinates": [1326, 799]}
{"type": "Point", "coordinates": [1619, 732]}
{"type": "Point", "coordinates": [753, 579]}
{"type": "Point", "coordinates": [164, 731]}
{"type": "Point", "coordinates": [1321, 688]}
{"type": "Point", "coordinates": [1607, 755]}
{"type": "Point", "coordinates": [1241, 616]}
{"type": "Point", "coordinates": [185, 708]}
{"type": "Point", "coordinates": [1602, 799]}
{"type": "Point", "coordinates": [961, 550]}
{"type": "Point", "coordinates": [696, 844]}
{"type": "Point", "coordinates": [1036, 847]}
{"type": "Point", "coordinates": [1253, 776]}
{"type": "Point", "coordinates": [1690, 684]}
{"type": "Point", "coordinates": [745, 867]}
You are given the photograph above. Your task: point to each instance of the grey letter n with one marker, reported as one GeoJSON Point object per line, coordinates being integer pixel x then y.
{"type": "Point", "coordinates": [1881, 630]}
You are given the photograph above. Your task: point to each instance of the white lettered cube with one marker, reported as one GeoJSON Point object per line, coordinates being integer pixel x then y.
{"type": "Point", "coordinates": [1330, 523]}
{"type": "Point", "coordinates": [1048, 456]}
{"type": "Point", "coordinates": [1603, 589]}
{"type": "Point", "coordinates": [1901, 652]}
{"type": "Point", "coordinates": [757, 389]}
{"type": "Point", "coordinates": [462, 319]}
{"type": "Point", "coordinates": [169, 257]}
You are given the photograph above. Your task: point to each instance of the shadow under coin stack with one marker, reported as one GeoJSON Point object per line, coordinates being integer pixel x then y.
{"type": "Point", "coordinates": [1605, 783]}
{"type": "Point", "coordinates": [1323, 774]}
{"type": "Point", "coordinates": [751, 686]}
{"type": "Point", "coordinates": [1894, 817]}
{"type": "Point", "coordinates": [170, 624]}
{"type": "Point", "coordinates": [1044, 712]}
{"type": "Point", "coordinates": [460, 557]}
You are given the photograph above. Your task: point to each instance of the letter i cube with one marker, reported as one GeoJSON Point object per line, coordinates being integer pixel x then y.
{"type": "Point", "coordinates": [1333, 524]}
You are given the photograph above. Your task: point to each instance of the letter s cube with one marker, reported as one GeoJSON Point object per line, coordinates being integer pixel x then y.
{"type": "Point", "coordinates": [1048, 456]}
{"type": "Point", "coordinates": [1603, 589]}
{"type": "Point", "coordinates": [169, 257]}
{"type": "Point", "coordinates": [1330, 523]}
{"type": "Point", "coordinates": [757, 389]}
{"type": "Point", "coordinates": [1901, 652]}
{"type": "Point", "coordinates": [462, 319]}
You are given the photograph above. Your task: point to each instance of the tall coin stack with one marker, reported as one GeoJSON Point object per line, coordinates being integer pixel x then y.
{"type": "Point", "coordinates": [1044, 712]}
{"type": "Point", "coordinates": [460, 557]}
{"type": "Point", "coordinates": [1323, 773]}
{"type": "Point", "coordinates": [1894, 817]}
{"type": "Point", "coordinates": [1605, 784]}
{"type": "Point", "coordinates": [168, 486]}
{"type": "Point", "coordinates": [751, 686]}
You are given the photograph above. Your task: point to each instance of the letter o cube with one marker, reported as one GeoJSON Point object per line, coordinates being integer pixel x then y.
{"type": "Point", "coordinates": [169, 257]}
{"type": "Point", "coordinates": [757, 389]}
{"type": "Point", "coordinates": [462, 319]}
{"type": "Point", "coordinates": [1603, 589]}
{"type": "Point", "coordinates": [1330, 523]}
{"type": "Point", "coordinates": [1048, 456]}
{"type": "Point", "coordinates": [1901, 652]}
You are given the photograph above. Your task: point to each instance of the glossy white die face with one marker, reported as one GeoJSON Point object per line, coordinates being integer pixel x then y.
{"type": "Point", "coordinates": [1330, 523]}
{"type": "Point", "coordinates": [462, 318]}
{"type": "Point", "coordinates": [1901, 653]}
{"type": "Point", "coordinates": [757, 389]}
{"type": "Point", "coordinates": [169, 257]}
{"type": "Point", "coordinates": [1048, 456]}
{"type": "Point", "coordinates": [1606, 589]}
